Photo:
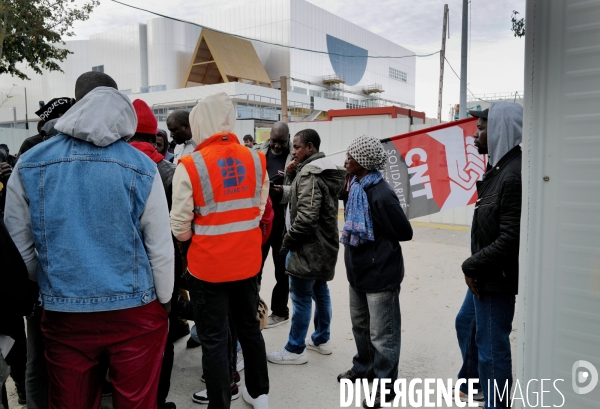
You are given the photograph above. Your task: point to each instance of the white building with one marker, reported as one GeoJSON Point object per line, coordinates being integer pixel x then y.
{"type": "Point", "coordinates": [150, 61]}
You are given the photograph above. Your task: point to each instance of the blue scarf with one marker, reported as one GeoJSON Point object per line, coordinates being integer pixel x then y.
{"type": "Point", "coordinates": [358, 228]}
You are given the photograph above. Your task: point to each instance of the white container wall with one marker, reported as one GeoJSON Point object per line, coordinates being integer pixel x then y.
{"type": "Point", "coordinates": [559, 288]}
{"type": "Point", "coordinates": [14, 138]}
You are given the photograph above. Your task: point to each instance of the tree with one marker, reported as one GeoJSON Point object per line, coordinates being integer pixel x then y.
{"type": "Point", "coordinates": [31, 31]}
{"type": "Point", "coordinates": [518, 24]}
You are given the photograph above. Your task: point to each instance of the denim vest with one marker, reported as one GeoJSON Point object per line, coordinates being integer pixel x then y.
{"type": "Point", "coordinates": [85, 203]}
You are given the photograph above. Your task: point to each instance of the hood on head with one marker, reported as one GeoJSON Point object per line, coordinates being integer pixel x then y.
{"type": "Point", "coordinates": [214, 114]}
{"type": "Point", "coordinates": [102, 117]}
{"type": "Point", "coordinates": [505, 129]}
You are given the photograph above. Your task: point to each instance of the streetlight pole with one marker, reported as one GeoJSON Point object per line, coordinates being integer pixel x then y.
{"type": "Point", "coordinates": [26, 119]}
{"type": "Point", "coordinates": [442, 62]}
{"type": "Point", "coordinates": [462, 109]}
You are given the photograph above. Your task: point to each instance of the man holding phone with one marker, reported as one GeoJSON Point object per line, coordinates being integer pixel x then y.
{"type": "Point", "coordinates": [278, 152]}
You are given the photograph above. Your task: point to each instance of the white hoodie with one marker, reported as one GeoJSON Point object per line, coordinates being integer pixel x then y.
{"type": "Point", "coordinates": [214, 114]}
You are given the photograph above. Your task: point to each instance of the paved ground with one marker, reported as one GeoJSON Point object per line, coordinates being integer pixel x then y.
{"type": "Point", "coordinates": [432, 292]}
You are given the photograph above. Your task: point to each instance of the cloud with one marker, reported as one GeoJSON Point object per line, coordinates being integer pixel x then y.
{"type": "Point", "coordinates": [496, 59]}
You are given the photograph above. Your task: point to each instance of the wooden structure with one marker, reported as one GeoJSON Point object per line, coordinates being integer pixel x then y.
{"type": "Point", "coordinates": [222, 58]}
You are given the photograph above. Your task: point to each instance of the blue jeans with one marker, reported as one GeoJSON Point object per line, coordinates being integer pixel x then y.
{"type": "Point", "coordinates": [483, 328]}
{"type": "Point", "coordinates": [302, 293]}
{"type": "Point", "coordinates": [376, 323]}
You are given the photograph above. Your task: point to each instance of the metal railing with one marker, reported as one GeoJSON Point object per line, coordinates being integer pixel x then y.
{"type": "Point", "coordinates": [162, 111]}
{"type": "Point", "coordinates": [248, 106]}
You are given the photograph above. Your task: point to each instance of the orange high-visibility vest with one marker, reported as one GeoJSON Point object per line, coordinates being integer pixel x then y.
{"type": "Point", "coordinates": [227, 179]}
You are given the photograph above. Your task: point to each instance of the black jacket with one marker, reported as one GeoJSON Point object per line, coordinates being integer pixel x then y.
{"type": "Point", "coordinates": [166, 170]}
{"type": "Point", "coordinates": [496, 225]}
{"type": "Point", "coordinates": [378, 266]}
{"type": "Point", "coordinates": [17, 293]}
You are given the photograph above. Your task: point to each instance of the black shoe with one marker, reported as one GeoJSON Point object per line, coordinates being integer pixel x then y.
{"type": "Point", "coordinates": [352, 376]}
{"type": "Point", "coordinates": [191, 343]}
{"type": "Point", "coordinates": [376, 403]}
{"type": "Point", "coordinates": [167, 405]}
{"type": "Point", "coordinates": [349, 374]}
{"type": "Point", "coordinates": [107, 388]}
{"type": "Point", "coordinates": [202, 398]}
{"type": "Point", "coordinates": [22, 397]}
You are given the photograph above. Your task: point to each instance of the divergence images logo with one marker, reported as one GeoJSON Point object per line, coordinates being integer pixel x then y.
{"type": "Point", "coordinates": [584, 373]}
{"type": "Point", "coordinates": [233, 171]}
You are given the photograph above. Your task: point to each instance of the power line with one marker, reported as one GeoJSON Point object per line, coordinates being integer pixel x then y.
{"type": "Point", "coordinates": [270, 43]}
{"type": "Point", "coordinates": [458, 76]}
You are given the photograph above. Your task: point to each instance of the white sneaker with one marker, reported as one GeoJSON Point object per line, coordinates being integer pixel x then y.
{"type": "Point", "coordinates": [323, 349]}
{"type": "Point", "coordinates": [275, 321]}
{"type": "Point", "coordinates": [240, 361]}
{"type": "Point", "coordinates": [285, 357]}
{"type": "Point", "coordinates": [262, 402]}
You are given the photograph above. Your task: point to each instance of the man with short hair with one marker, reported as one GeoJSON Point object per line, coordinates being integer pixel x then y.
{"type": "Point", "coordinates": [178, 124]}
{"type": "Point", "coordinates": [279, 155]}
{"type": "Point", "coordinates": [311, 244]}
{"type": "Point", "coordinates": [484, 322]}
{"type": "Point", "coordinates": [248, 141]}
{"type": "Point", "coordinates": [89, 216]}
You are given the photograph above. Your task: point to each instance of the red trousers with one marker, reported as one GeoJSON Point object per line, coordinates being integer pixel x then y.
{"type": "Point", "coordinates": [131, 341]}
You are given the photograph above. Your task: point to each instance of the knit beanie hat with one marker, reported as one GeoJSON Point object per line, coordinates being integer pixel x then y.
{"type": "Point", "coordinates": [368, 152]}
{"type": "Point", "coordinates": [147, 122]}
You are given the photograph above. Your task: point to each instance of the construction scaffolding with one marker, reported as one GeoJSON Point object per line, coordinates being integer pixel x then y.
{"type": "Point", "coordinates": [372, 93]}
{"type": "Point", "coordinates": [334, 87]}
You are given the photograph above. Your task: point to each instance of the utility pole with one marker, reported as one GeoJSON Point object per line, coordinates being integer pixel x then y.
{"type": "Point", "coordinates": [26, 119]}
{"type": "Point", "coordinates": [442, 61]}
{"type": "Point", "coordinates": [462, 109]}
{"type": "Point", "coordinates": [284, 105]}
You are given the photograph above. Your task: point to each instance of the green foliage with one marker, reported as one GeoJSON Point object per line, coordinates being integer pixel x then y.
{"type": "Point", "coordinates": [31, 32]}
{"type": "Point", "coordinates": [518, 24]}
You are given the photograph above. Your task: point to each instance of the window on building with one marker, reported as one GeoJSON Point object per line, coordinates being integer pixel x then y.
{"type": "Point", "coordinates": [98, 68]}
{"type": "Point", "coordinates": [298, 90]}
{"type": "Point", "coordinates": [314, 93]}
{"type": "Point", "coordinates": [398, 75]}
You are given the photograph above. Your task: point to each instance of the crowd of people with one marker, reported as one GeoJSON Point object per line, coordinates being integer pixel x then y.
{"type": "Point", "coordinates": [113, 236]}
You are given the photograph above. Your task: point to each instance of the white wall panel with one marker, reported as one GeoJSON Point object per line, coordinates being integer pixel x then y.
{"type": "Point", "coordinates": [559, 283]}
{"type": "Point", "coordinates": [120, 52]}
{"type": "Point", "coordinates": [13, 138]}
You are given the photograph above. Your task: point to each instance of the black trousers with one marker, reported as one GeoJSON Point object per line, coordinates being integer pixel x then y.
{"type": "Point", "coordinates": [281, 291]}
{"type": "Point", "coordinates": [164, 382]}
{"type": "Point", "coordinates": [17, 357]}
{"type": "Point", "coordinates": [212, 303]}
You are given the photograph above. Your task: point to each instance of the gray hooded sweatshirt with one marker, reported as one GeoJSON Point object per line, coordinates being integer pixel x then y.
{"type": "Point", "coordinates": [505, 129]}
{"type": "Point", "coordinates": [104, 116]}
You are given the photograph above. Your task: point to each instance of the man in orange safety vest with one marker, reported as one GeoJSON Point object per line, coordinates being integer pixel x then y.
{"type": "Point", "coordinates": [219, 195]}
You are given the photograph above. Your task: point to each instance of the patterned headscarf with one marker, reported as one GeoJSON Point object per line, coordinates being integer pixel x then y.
{"type": "Point", "coordinates": [368, 152]}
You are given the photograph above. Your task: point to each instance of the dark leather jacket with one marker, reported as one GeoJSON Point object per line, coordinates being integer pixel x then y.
{"type": "Point", "coordinates": [496, 227]}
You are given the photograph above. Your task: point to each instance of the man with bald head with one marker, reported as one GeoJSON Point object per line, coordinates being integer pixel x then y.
{"type": "Point", "coordinates": [278, 152]}
{"type": "Point", "coordinates": [178, 124]}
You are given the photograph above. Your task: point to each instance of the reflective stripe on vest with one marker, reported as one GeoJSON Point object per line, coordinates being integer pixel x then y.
{"type": "Point", "coordinates": [207, 192]}
{"type": "Point", "coordinates": [234, 227]}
